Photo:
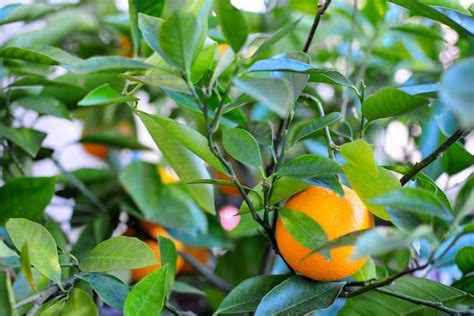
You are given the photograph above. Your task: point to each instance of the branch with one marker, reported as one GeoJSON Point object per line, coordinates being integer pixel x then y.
{"type": "Point", "coordinates": [432, 157]}
{"type": "Point", "coordinates": [208, 274]}
{"type": "Point", "coordinates": [317, 18]}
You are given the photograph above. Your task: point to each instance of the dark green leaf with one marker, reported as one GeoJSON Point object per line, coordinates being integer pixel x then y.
{"type": "Point", "coordinates": [44, 105]}
{"type": "Point", "coordinates": [104, 95]}
{"type": "Point", "coordinates": [416, 200]}
{"type": "Point", "coordinates": [308, 129]}
{"type": "Point", "coordinates": [110, 289]}
{"type": "Point", "coordinates": [298, 296]}
{"type": "Point", "coordinates": [388, 102]}
{"type": "Point", "coordinates": [80, 303]}
{"type": "Point", "coordinates": [241, 145]}
{"type": "Point", "coordinates": [7, 301]}
{"type": "Point", "coordinates": [118, 253]}
{"type": "Point", "coordinates": [304, 229]}
{"type": "Point", "coordinates": [232, 23]}
{"type": "Point", "coordinates": [148, 296]}
{"type": "Point", "coordinates": [274, 93]}
{"type": "Point", "coordinates": [309, 166]}
{"type": "Point", "coordinates": [42, 54]}
{"type": "Point", "coordinates": [42, 247]}
{"type": "Point", "coordinates": [27, 139]}
{"type": "Point", "coordinates": [262, 131]}
{"type": "Point", "coordinates": [26, 197]}
{"type": "Point", "coordinates": [168, 257]}
{"type": "Point", "coordinates": [465, 259]}
{"type": "Point", "coordinates": [246, 296]}
{"type": "Point", "coordinates": [457, 93]}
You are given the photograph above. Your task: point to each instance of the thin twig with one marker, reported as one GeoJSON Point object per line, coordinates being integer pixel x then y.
{"type": "Point", "coordinates": [208, 274]}
{"type": "Point", "coordinates": [317, 18]}
{"type": "Point", "coordinates": [431, 157]}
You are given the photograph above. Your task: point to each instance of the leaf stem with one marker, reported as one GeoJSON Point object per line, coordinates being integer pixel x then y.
{"type": "Point", "coordinates": [321, 9]}
{"type": "Point", "coordinates": [432, 157]}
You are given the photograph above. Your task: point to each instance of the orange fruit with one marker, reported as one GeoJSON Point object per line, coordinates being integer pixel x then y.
{"type": "Point", "coordinates": [201, 254]}
{"type": "Point", "coordinates": [97, 150]}
{"type": "Point", "coordinates": [156, 230]}
{"type": "Point", "coordinates": [337, 216]}
{"type": "Point", "coordinates": [168, 176]}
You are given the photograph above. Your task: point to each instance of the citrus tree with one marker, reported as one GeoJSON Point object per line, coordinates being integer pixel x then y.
{"type": "Point", "coordinates": [311, 157]}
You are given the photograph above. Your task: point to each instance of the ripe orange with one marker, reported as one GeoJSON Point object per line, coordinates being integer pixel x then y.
{"type": "Point", "coordinates": [156, 230]}
{"type": "Point", "coordinates": [337, 216]}
{"type": "Point", "coordinates": [201, 254]}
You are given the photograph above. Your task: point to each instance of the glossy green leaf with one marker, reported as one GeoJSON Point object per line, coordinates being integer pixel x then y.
{"type": "Point", "coordinates": [232, 23]}
{"type": "Point", "coordinates": [41, 54]}
{"type": "Point", "coordinates": [317, 73]}
{"type": "Point", "coordinates": [118, 253]}
{"type": "Point", "coordinates": [7, 301]}
{"type": "Point", "coordinates": [361, 154]}
{"type": "Point", "coordinates": [80, 303]}
{"type": "Point", "coordinates": [304, 229]}
{"type": "Point", "coordinates": [242, 146]}
{"type": "Point", "coordinates": [308, 129]}
{"type": "Point", "coordinates": [309, 166]}
{"type": "Point", "coordinates": [161, 79]}
{"type": "Point", "coordinates": [246, 296]}
{"type": "Point", "coordinates": [415, 200]}
{"type": "Point", "coordinates": [367, 272]}
{"type": "Point", "coordinates": [187, 165]}
{"type": "Point", "coordinates": [388, 102]}
{"type": "Point", "coordinates": [150, 28]}
{"type": "Point", "coordinates": [274, 93]}
{"type": "Point", "coordinates": [203, 62]}
{"type": "Point", "coordinates": [465, 259]}
{"type": "Point", "coordinates": [44, 105]}
{"type": "Point", "coordinates": [104, 95]}
{"type": "Point", "coordinates": [136, 7]}
{"type": "Point", "coordinates": [27, 139]}
{"type": "Point", "coordinates": [148, 296]}
{"type": "Point", "coordinates": [377, 303]}
{"type": "Point", "coordinates": [110, 289]}
{"type": "Point", "coordinates": [42, 247]}
{"type": "Point", "coordinates": [168, 257]}
{"type": "Point", "coordinates": [180, 39]}
{"type": "Point", "coordinates": [26, 197]}
{"type": "Point", "coordinates": [24, 12]}
{"type": "Point", "coordinates": [107, 63]}
{"type": "Point", "coordinates": [457, 93]}
{"type": "Point", "coordinates": [298, 296]}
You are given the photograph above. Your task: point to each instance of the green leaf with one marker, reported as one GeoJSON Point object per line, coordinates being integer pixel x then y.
{"type": "Point", "coordinates": [415, 200]}
{"type": "Point", "coordinates": [180, 39]}
{"type": "Point", "coordinates": [41, 54]}
{"type": "Point", "coordinates": [7, 301]}
{"type": "Point", "coordinates": [113, 138]}
{"type": "Point", "coordinates": [107, 63]}
{"type": "Point", "coordinates": [27, 139]}
{"type": "Point", "coordinates": [309, 166]}
{"type": "Point", "coordinates": [317, 73]}
{"type": "Point", "coordinates": [148, 296]}
{"type": "Point", "coordinates": [26, 197]}
{"type": "Point", "coordinates": [137, 7]}
{"type": "Point", "coordinates": [241, 145]}
{"type": "Point", "coordinates": [5, 251]}
{"type": "Point", "coordinates": [161, 79]}
{"type": "Point", "coordinates": [42, 247]}
{"type": "Point", "coordinates": [24, 12]}
{"type": "Point", "coordinates": [375, 11]}
{"type": "Point", "coordinates": [344, 240]}
{"type": "Point", "coordinates": [44, 105]}
{"type": "Point", "coordinates": [246, 296]}
{"type": "Point", "coordinates": [262, 131]}
{"type": "Point", "coordinates": [298, 296]}
{"type": "Point", "coordinates": [104, 95]}
{"type": "Point", "coordinates": [367, 272]}
{"type": "Point", "coordinates": [150, 28]}
{"type": "Point", "coordinates": [110, 289]}
{"type": "Point", "coordinates": [382, 240]}
{"type": "Point", "coordinates": [184, 288]}
{"type": "Point", "coordinates": [274, 93]}
{"type": "Point", "coordinates": [168, 257]}
{"type": "Point", "coordinates": [419, 8]}
{"type": "Point", "coordinates": [427, 90]}
{"type": "Point", "coordinates": [118, 253]}
{"type": "Point", "coordinates": [274, 38]}
{"type": "Point", "coordinates": [447, 4]}
{"type": "Point", "coordinates": [418, 30]}
{"type": "Point", "coordinates": [465, 259]}
{"type": "Point", "coordinates": [308, 129]}
{"type": "Point", "coordinates": [388, 102]}
{"type": "Point", "coordinates": [203, 62]}
{"type": "Point", "coordinates": [304, 229]}
{"type": "Point", "coordinates": [232, 23]}
{"type": "Point", "coordinates": [377, 303]}
{"type": "Point", "coordinates": [80, 303]}
{"type": "Point", "coordinates": [25, 263]}
{"type": "Point", "coordinates": [361, 154]}
{"type": "Point", "coordinates": [456, 91]}
{"type": "Point", "coordinates": [187, 165]}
